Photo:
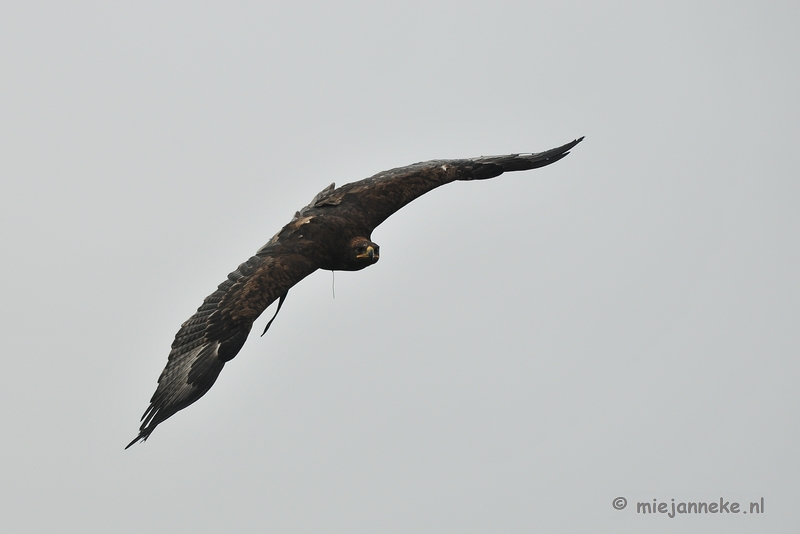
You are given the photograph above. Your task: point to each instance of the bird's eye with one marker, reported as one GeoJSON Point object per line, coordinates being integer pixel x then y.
{"type": "Point", "coordinates": [361, 250]}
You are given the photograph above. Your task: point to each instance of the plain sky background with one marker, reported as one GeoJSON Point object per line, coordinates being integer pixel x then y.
{"type": "Point", "coordinates": [622, 323]}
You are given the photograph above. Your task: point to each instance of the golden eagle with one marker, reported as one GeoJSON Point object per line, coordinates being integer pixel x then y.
{"type": "Point", "coordinates": [332, 232]}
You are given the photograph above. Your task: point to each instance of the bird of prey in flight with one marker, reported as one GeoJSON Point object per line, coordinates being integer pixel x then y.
{"type": "Point", "coordinates": [333, 233]}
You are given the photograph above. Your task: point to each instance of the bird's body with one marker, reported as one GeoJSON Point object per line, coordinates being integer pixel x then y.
{"type": "Point", "coordinates": [334, 233]}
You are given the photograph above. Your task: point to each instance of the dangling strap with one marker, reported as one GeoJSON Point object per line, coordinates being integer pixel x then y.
{"type": "Point", "coordinates": [280, 303]}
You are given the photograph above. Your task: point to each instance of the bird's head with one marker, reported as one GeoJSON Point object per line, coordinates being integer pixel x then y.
{"type": "Point", "coordinates": [362, 253]}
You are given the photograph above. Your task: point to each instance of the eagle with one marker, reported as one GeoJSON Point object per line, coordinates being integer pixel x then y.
{"type": "Point", "coordinates": [334, 233]}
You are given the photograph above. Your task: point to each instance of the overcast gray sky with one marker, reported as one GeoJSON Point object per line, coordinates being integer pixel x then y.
{"type": "Point", "coordinates": [529, 348]}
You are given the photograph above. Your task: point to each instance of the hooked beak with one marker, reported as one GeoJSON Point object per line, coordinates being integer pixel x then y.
{"type": "Point", "coordinates": [370, 253]}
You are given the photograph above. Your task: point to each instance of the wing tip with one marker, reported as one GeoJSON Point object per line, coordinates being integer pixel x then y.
{"type": "Point", "coordinates": [564, 149]}
{"type": "Point", "coordinates": [144, 433]}
{"type": "Point", "coordinates": [141, 437]}
{"type": "Point", "coordinates": [146, 429]}
{"type": "Point", "coordinates": [555, 154]}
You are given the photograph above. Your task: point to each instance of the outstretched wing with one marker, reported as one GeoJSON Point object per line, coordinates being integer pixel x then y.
{"type": "Point", "coordinates": [373, 200]}
{"type": "Point", "coordinates": [216, 333]}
